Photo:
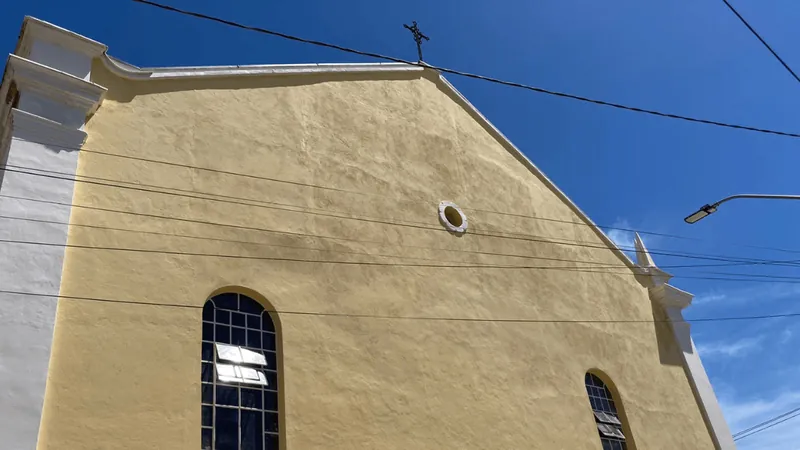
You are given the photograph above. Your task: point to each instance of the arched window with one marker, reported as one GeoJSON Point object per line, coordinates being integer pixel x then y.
{"type": "Point", "coordinates": [606, 417]}
{"type": "Point", "coordinates": [239, 375]}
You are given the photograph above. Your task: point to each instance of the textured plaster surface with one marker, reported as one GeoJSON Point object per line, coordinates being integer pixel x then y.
{"type": "Point", "coordinates": [127, 376]}
{"type": "Point", "coordinates": [26, 322]}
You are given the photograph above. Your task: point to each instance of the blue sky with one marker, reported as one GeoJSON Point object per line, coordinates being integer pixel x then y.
{"type": "Point", "coordinates": [622, 168]}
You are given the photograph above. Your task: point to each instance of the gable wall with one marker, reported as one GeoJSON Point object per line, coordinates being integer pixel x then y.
{"type": "Point", "coordinates": [398, 146]}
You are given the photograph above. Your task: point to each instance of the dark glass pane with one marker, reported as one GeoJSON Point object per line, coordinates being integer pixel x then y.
{"type": "Point", "coordinates": [271, 422]}
{"type": "Point", "coordinates": [206, 439]}
{"type": "Point", "coordinates": [252, 434]}
{"type": "Point", "coordinates": [606, 444]}
{"type": "Point", "coordinates": [268, 341]}
{"type": "Point", "coordinates": [251, 398]}
{"type": "Point", "coordinates": [272, 442]}
{"type": "Point", "coordinates": [272, 360]}
{"type": "Point", "coordinates": [227, 301]}
{"type": "Point", "coordinates": [254, 338]}
{"type": "Point", "coordinates": [208, 351]}
{"type": "Point", "coordinates": [207, 374]}
{"type": "Point", "coordinates": [227, 428]}
{"type": "Point", "coordinates": [254, 322]}
{"type": "Point", "coordinates": [206, 416]}
{"type": "Point", "coordinates": [248, 305]}
{"type": "Point", "coordinates": [272, 380]}
{"type": "Point", "coordinates": [208, 331]}
{"type": "Point", "coordinates": [223, 316]}
{"type": "Point", "coordinates": [595, 404]}
{"type": "Point", "coordinates": [239, 336]}
{"type": "Point", "coordinates": [223, 334]}
{"type": "Point", "coordinates": [207, 393]}
{"type": "Point", "coordinates": [266, 322]}
{"type": "Point", "coordinates": [237, 319]}
{"type": "Point", "coordinates": [208, 312]}
{"type": "Point", "coordinates": [270, 401]}
{"type": "Point", "coordinates": [227, 395]}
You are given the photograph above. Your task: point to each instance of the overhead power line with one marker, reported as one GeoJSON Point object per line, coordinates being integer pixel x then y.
{"type": "Point", "coordinates": [766, 422]}
{"type": "Point", "coordinates": [359, 253]}
{"type": "Point", "coordinates": [771, 423]}
{"type": "Point", "coordinates": [467, 74]}
{"type": "Point", "coordinates": [315, 236]}
{"type": "Point", "coordinates": [590, 269]}
{"type": "Point", "coordinates": [758, 36]}
{"type": "Point", "coordinates": [505, 235]}
{"type": "Point", "coordinates": [365, 193]}
{"type": "Point", "coordinates": [412, 318]}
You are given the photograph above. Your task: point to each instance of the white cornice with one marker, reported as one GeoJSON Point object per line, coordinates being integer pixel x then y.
{"type": "Point", "coordinates": [35, 29]}
{"type": "Point", "coordinates": [55, 84]}
{"type": "Point", "coordinates": [130, 72]}
{"type": "Point", "coordinates": [44, 130]}
{"type": "Point", "coordinates": [651, 277]}
{"type": "Point", "coordinates": [671, 297]}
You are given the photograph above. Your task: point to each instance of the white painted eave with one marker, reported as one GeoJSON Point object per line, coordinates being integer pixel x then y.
{"type": "Point", "coordinates": [131, 72]}
{"type": "Point", "coordinates": [33, 27]}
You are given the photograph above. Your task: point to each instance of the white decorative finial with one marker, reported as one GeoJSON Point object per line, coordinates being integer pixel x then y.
{"type": "Point", "coordinates": [643, 257]}
{"type": "Point", "coordinates": [645, 261]}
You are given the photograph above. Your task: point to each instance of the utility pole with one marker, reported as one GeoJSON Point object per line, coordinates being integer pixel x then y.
{"type": "Point", "coordinates": [418, 37]}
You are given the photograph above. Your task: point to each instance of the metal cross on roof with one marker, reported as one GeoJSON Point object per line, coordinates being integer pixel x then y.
{"type": "Point", "coordinates": [418, 37]}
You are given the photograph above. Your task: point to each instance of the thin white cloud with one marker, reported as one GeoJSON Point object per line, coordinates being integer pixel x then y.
{"type": "Point", "coordinates": [786, 335]}
{"type": "Point", "coordinates": [751, 294]}
{"type": "Point", "coordinates": [622, 238]}
{"type": "Point", "coordinates": [729, 349]}
{"type": "Point", "coordinates": [742, 414]}
{"type": "Point", "coordinates": [709, 298]}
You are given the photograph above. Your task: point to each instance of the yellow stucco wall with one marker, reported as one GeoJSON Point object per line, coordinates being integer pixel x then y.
{"type": "Point", "coordinates": [126, 376]}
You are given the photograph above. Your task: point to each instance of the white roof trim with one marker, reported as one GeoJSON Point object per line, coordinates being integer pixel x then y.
{"type": "Point", "coordinates": [33, 28]}
{"type": "Point", "coordinates": [131, 72]}
{"type": "Point", "coordinates": [71, 90]}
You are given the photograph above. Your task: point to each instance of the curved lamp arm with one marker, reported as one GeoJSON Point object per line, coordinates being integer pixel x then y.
{"type": "Point", "coordinates": [706, 210]}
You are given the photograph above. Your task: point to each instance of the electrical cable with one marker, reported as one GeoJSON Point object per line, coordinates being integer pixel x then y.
{"type": "Point", "coordinates": [593, 226]}
{"type": "Point", "coordinates": [296, 234]}
{"type": "Point", "coordinates": [419, 318]}
{"type": "Point", "coordinates": [766, 422]}
{"type": "Point", "coordinates": [755, 33]}
{"type": "Point", "coordinates": [466, 74]}
{"type": "Point", "coordinates": [596, 269]}
{"type": "Point", "coordinates": [513, 236]}
{"type": "Point", "coordinates": [766, 427]}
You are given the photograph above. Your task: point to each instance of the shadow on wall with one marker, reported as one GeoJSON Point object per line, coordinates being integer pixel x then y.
{"type": "Point", "coordinates": [669, 352]}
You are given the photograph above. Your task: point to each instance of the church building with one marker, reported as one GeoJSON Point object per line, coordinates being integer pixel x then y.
{"type": "Point", "coordinates": [309, 257]}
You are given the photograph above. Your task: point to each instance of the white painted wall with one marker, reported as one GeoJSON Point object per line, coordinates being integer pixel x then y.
{"type": "Point", "coordinates": [700, 382]}
{"type": "Point", "coordinates": [55, 98]}
{"type": "Point", "coordinates": [26, 322]}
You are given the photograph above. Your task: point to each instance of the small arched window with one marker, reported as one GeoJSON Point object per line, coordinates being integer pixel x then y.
{"type": "Point", "coordinates": [239, 377]}
{"type": "Point", "coordinates": [606, 417]}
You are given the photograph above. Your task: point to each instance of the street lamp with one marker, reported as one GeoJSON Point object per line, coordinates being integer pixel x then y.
{"type": "Point", "coordinates": [707, 210]}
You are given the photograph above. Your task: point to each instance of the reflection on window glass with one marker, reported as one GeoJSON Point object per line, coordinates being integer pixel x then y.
{"type": "Point", "coordinates": [239, 408]}
{"type": "Point", "coordinates": [607, 420]}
